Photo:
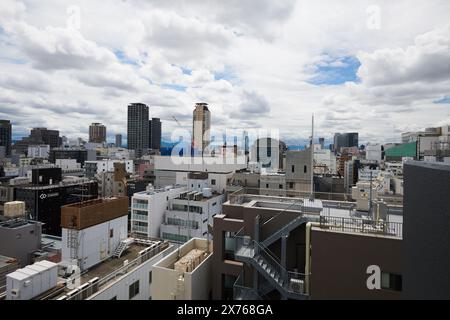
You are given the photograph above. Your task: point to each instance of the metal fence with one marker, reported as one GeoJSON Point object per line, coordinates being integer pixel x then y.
{"type": "Point", "coordinates": [357, 225]}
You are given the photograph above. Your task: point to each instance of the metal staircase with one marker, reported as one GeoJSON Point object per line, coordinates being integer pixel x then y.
{"type": "Point", "coordinates": [289, 284]}
{"type": "Point", "coordinates": [123, 245]}
{"type": "Point", "coordinates": [285, 230]}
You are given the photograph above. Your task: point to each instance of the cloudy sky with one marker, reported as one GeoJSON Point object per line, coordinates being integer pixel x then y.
{"type": "Point", "coordinates": [377, 67]}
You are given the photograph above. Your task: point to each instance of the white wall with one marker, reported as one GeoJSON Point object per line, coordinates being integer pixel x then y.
{"type": "Point", "coordinates": [95, 243]}
{"type": "Point", "coordinates": [157, 204]}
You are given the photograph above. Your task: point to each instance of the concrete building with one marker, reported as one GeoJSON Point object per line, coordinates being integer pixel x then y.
{"type": "Point", "coordinates": [190, 214]}
{"type": "Point", "coordinates": [19, 239]}
{"type": "Point", "coordinates": [374, 152]}
{"type": "Point", "coordinates": [138, 128]}
{"type": "Point", "coordinates": [80, 154]}
{"type": "Point", "coordinates": [148, 207]}
{"type": "Point", "coordinates": [6, 136]}
{"type": "Point", "coordinates": [324, 158]}
{"type": "Point", "coordinates": [263, 245]}
{"type": "Point", "coordinates": [426, 231]}
{"type": "Point", "coordinates": [268, 152]}
{"type": "Point", "coordinates": [118, 141]}
{"type": "Point", "coordinates": [97, 133]}
{"type": "Point", "coordinates": [155, 133]}
{"type": "Point", "coordinates": [169, 172]}
{"type": "Point", "coordinates": [186, 273]}
{"type": "Point", "coordinates": [201, 126]}
{"type": "Point", "coordinates": [39, 151]}
{"type": "Point", "coordinates": [298, 173]}
{"type": "Point", "coordinates": [272, 184]}
{"type": "Point", "coordinates": [101, 166]}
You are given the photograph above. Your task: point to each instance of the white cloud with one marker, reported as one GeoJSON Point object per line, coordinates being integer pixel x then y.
{"type": "Point", "coordinates": [250, 60]}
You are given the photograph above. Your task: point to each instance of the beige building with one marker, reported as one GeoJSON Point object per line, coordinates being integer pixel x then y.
{"type": "Point", "coordinates": [185, 274]}
{"type": "Point", "coordinates": [201, 126]}
{"type": "Point", "coordinates": [97, 133]}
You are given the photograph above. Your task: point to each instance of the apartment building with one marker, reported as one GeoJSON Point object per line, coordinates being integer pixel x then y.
{"type": "Point", "coordinates": [263, 245]}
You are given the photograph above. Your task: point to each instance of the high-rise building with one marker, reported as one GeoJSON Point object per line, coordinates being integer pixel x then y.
{"type": "Point", "coordinates": [201, 136]}
{"type": "Point", "coordinates": [155, 133]}
{"type": "Point", "coordinates": [138, 128]}
{"type": "Point", "coordinates": [45, 136]}
{"type": "Point", "coordinates": [118, 140]}
{"type": "Point", "coordinates": [5, 136]}
{"type": "Point", "coordinates": [97, 133]}
{"type": "Point", "coordinates": [349, 139]}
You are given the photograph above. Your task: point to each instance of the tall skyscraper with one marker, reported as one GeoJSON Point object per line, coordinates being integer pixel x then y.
{"type": "Point", "coordinates": [5, 136]}
{"type": "Point", "coordinates": [97, 133]}
{"type": "Point", "coordinates": [201, 135]}
{"type": "Point", "coordinates": [45, 136]}
{"type": "Point", "coordinates": [118, 140]}
{"type": "Point", "coordinates": [155, 133]}
{"type": "Point", "coordinates": [138, 128]}
{"type": "Point", "coordinates": [345, 140]}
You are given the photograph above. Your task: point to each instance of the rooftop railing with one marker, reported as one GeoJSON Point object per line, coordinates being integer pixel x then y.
{"type": "Point", "coordinates": [362, 226]}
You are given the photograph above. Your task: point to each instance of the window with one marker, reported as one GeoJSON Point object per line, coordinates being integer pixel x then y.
{"type": "Point", "coordinates": [267, 186]}
{"type": "Point", "coordinates": [133, 290]}
{"type": "Point", "coordinates": [304, 169]}
{"type": "Point", "coordinates": [215, 203]}
{"type": "Point", "coordinates": [213, 182]}
{"type": "Point", "coordinates": [291, 185]}
{"type": "Point", "coordinates": [280, 186]}
{"type": "Point", "coordinates": [391, 281]}
{"type": "Point", "coordinates": [293, 168]}
{"type": "Point", "coordinates": [150, 277]}
{"type": "Point", "coordinates": [111, 233]}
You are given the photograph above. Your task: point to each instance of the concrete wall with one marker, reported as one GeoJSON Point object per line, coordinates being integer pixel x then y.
{"type": "Point", "coordinates": [20, 242]}
{"type": "Point", "coordinates": [339, 263]}
{"type": "Point", "coordinates": [426, 232]}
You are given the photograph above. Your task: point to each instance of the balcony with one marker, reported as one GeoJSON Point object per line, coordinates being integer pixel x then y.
{"type": "Point", "coordinates": [139, 217]}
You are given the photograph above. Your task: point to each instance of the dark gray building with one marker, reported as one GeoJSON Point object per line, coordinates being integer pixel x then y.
{"type": "Point", "coordinates": [45, 136]}
{"type": "Point", "coordinates": [118, 140]}
{"type": "Point", "coordinates": [79, 154]}
{"type": "Point", "coordinates": [342, 140]}
{"type": "Point", "coordinates": [138, 128]}
{"type": "Point", "coordinates": [19, 239]}
{"type": "Point", "coordinates": [5, 136]}
{"type": "Point", "coordinates": [426, 234]}
{"type": "Point", "coordinates": [155, 133]}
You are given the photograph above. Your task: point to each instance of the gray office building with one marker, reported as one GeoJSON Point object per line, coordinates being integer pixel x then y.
{"type": "Point", "coordinates": [5, 136]}
{"type": "Point", "coordinates": [155, 133]}
{"type": "Point", "coordinates": [342, 140]}
{"type": "Point", "coordinates": [118, 140]}
{"type": "Point", "coordinates": [138, 128]}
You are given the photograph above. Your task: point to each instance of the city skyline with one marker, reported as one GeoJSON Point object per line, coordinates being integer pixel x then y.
{"type": "Point", "coordinates": [277, 65]}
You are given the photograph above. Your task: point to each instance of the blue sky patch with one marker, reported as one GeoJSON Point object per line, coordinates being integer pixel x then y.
{"type": "Point", "coordinates": [336, 71]}
{"type": "Point", "coordinates": [123, 58]}
{"type": "Point", "coordinates": [444, 100]}
{"type": "Point", "coordinates": [172, 86]}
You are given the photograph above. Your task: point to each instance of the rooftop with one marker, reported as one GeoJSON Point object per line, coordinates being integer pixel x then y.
{"type": "Point", "coordinates": [108, 271]}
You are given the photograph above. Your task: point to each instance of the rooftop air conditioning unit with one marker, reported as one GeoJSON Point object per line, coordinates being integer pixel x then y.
{"type": "Point", "coordinates": [297, 285]}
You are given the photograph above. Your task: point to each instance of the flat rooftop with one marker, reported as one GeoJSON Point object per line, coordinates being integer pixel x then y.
{"type": "Point", "coordinates": [109, 270]}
